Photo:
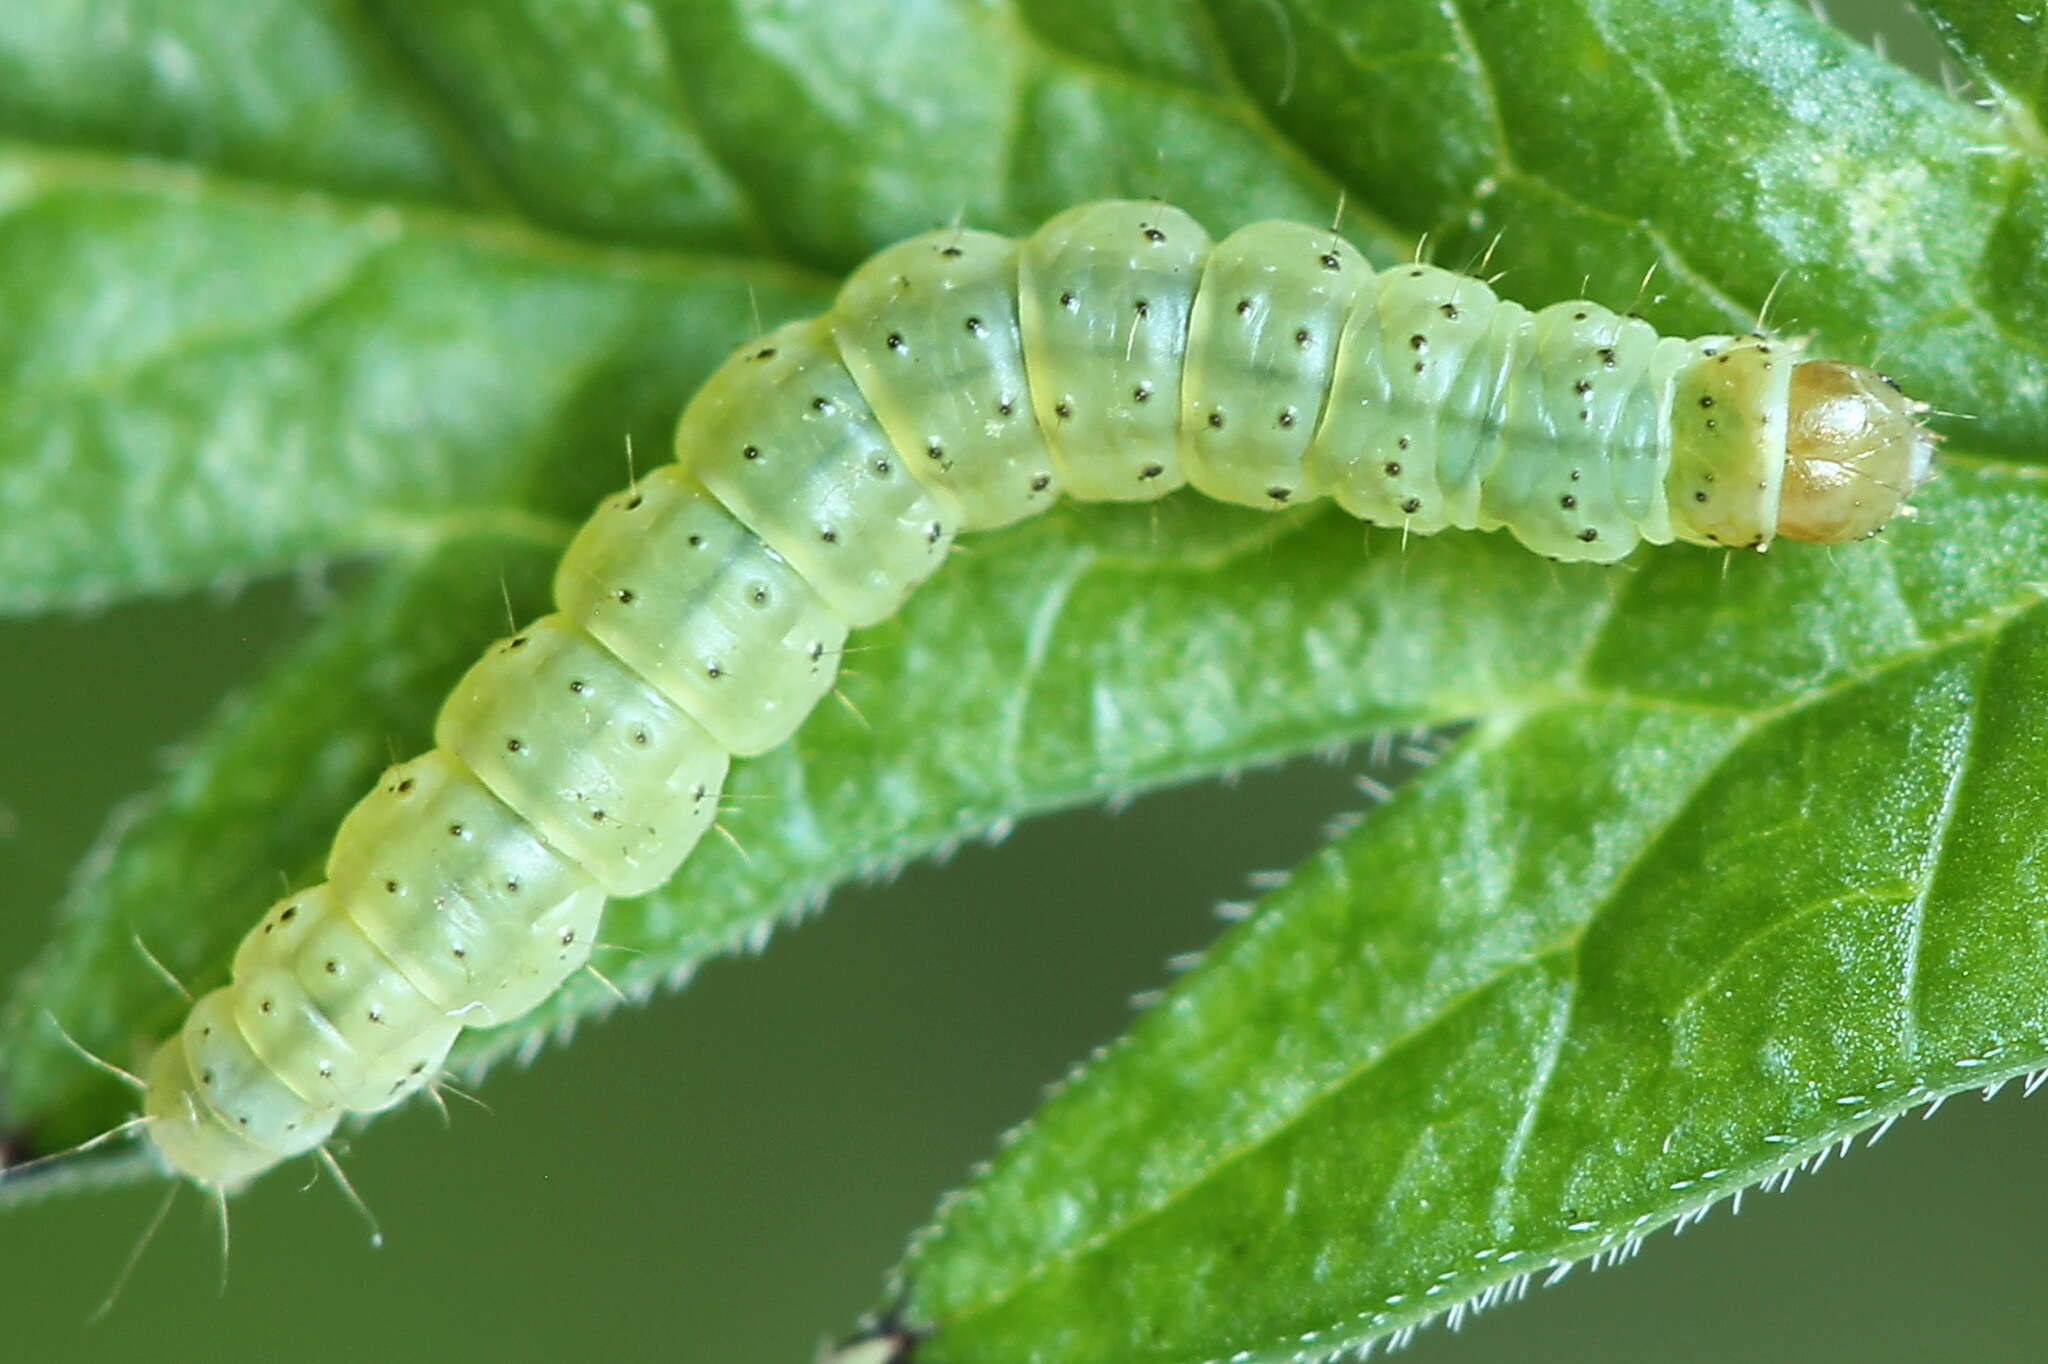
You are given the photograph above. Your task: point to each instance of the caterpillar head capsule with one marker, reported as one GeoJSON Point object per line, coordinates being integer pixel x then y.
{"type": "Point", "coordinates": [1854, 452]}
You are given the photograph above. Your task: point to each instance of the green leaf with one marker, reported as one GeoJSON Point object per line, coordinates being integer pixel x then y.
{"type": "Point", "coordinates": [1652, 932]}
{"type": "Point", "coordinates": [2006, 47]}
{"type": "Point", "coordinates": [307, 377]}
{"type": "Point", "coordinates": [1728, 842]}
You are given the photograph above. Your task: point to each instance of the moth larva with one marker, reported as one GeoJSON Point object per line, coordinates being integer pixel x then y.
{"type": "Point", "coordinates": [960, 382]}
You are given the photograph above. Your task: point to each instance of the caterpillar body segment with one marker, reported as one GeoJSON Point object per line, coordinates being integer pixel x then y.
{"type": "Point", "coordinates": [1104, 294]}
{"type": "Point", "coordinates": [784, 438]}
{"type": "Point", "coordinates": [961, 411]}
{"type": "Point", "coordinates": [1262, 348]}
{"type": "Point", "coordinates": [961, 381]}
{"type": "Point", "coordinates": [669, 581]}
{"type": "Point", "coordinates": [619, 777]}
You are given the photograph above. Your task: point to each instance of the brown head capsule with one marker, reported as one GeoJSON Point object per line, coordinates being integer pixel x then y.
{"type": "Point", "coordinates": [1854, 452]}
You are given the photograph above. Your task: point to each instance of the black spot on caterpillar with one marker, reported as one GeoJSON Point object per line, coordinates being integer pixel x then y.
{"type": "Point", "coordinates": [959, 382]}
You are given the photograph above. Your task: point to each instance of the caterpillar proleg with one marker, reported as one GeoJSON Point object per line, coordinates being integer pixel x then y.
{"type": "Point", "coordinates": [962, 381]}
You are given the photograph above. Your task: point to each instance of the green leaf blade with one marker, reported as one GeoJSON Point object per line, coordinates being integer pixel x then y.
{"type": "Point", "coordinates": [316, 102]}
{"type": "Point", "coordinates": [1618, 957]}
{"type": "Point", "coordinates": [623, 158]}
{"type": "Point", "coordinates": [1747, 150]}
{"type": "Point", "coordinates": [317, 378]}
{"type": "Point", "coordinates": [2004, 45]}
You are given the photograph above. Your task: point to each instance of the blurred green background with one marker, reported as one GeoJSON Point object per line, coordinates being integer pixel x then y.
{"type": "Point", "coordinates": [726, 1175]}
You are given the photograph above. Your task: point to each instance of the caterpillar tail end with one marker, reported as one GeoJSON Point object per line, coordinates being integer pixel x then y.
{"type": "Point", "coordinates": [1854, 453]}
{"type": "Point", "coordinates": [188, 1135]}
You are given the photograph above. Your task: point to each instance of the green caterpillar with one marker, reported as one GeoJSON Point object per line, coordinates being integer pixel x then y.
{"type": "Point", "coordinates": [962, 381]}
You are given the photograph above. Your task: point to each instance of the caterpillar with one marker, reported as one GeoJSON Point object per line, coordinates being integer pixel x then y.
{"type": "Point", "coordinates": [962, 381]}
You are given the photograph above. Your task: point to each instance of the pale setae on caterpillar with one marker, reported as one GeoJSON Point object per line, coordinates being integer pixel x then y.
{"type": "Point", "coordinates": [962, 381]}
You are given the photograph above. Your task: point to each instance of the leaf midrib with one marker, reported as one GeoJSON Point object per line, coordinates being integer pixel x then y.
{"type": "Point", "coordinates": [53, 168]}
